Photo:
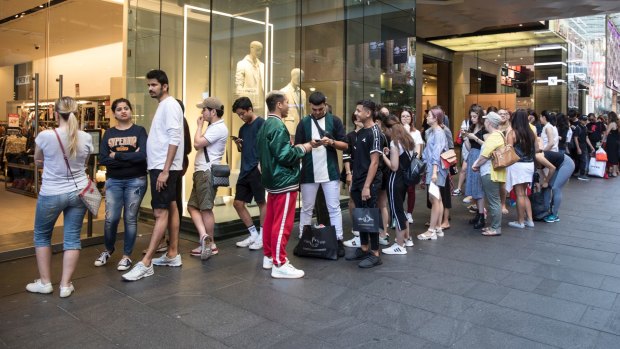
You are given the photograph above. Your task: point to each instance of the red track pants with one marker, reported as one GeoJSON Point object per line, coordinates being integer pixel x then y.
{"type": "Point", "coordinates": [279, 220]}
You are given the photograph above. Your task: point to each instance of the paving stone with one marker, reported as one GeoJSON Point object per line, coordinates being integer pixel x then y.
{"type": "Point", "coordinates": [487, 292]}
{"type": "Point", "coordinates": [611, 284]}
{"type": "Point", "coordinates": [602, 319]}
{"type": "Point", "coordinates": [264, 335]}
{"type": "Point", "coordinates": [521, 281]}
{"type": "Point", "coordinates": [576, 293]}
{"type": "Point", "coordinates": [543, 305]}
{"type": "Point", "coordinates": [482, 337]}
{"type": "Point", "coordinates": [606, 341]}
{"type": "Point", "coordinates": [444, 330]}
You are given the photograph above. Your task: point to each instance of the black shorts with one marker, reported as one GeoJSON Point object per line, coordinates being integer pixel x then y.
{"type": "Point", "coordinates": [446, 195]}
{"type": "Point", "coordinates": [250, 186]}
{"type": "Point", "coordinates": [162, 199]}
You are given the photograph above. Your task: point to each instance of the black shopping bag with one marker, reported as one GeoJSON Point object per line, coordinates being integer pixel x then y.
{"type": "Point", "coordinates": [367, 219]}
{"type": "Point", "coordinates": [317, 242]}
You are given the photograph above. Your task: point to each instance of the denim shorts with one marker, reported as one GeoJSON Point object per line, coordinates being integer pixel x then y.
{"type": "Point", "coordinates": [49, 208]}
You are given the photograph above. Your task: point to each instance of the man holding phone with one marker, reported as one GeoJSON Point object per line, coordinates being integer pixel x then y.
{"type": "Point", "coordinates": [249, 184]}
{"type": "Point", "coordinates": [326, 134]}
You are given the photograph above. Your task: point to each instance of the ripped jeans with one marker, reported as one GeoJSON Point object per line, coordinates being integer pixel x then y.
{"type": "Point", "coordinates": [127, 194]}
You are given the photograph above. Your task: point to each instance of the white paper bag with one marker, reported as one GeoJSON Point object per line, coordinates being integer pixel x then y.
{"type": "Point", "coordinates": [596, 168]}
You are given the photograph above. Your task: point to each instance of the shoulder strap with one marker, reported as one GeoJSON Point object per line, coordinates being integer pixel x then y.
{"type": "Point", "coordinates": [321, 131]}
{"type": "Point", "coordinates": [64, 155]}
{"type": "Point", "coordinates": [207, 153]}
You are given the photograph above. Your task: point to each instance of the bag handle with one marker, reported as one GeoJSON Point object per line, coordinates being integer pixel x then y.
{"type": "Point", "coordinates": [322, 132]}
{"type": "Point", "coordinates": [64, 155]}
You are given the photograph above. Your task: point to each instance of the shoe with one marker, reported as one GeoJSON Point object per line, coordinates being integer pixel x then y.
{"type": "Point", "coordinates": [439, 232]}
{"type": "Point", "coordinates": [38, 287]}
{"type": "Point", "coordinates": [583, 178]}
{"type": "Point", "coordinates": [103, 259]}
{"type": "Point", "coordinates": [124, 264]}
{"type": "Point", "coordinates": [516, 224]}
{"type": "Point", "coordinates": [409, 242]}
{"type": "Point", "coordinates": [384, 240]}
{"type": "Point", "coordinates": [467, 200]}
{"type": "Point", "coordinates": [164, 260]}
{"type": "Point", "coordinates": [370, 261]}
{"type": "Point", "coordinates": [428, 235]}
{"type": "Point", "coordinates": [529, 224]}
{"type": "Point", "coordinates": [138, 272]}
{"type": "Point", "coordinates": [457, 192]}
{"type": "Point", "coordinates": [355, 242]}
{"type": "Point", "coordinates": [267, 263]}
{"type": "Point", "coordinates": [341, 252]}
{"type": "Point", "coordinates": [395, 249]}
{"type": "Point", "coordinates": [286, 271]}
{"type": "Point", "coordinates": [475, 219]}
{"type": "Point", "coordinates": [256, 245]}
{"type": "Point", "coordinates": [551, 218]}
{"type": "Point", "coordinates": [205, 247]}
{"type": "Point", "coordinates": [246, 242]}
{"type": "Point", "coordinates": [66, 291]}
{"type": "Point", "coordinates": [355, 233]}
{"type": "Point", "coordinates": [359, 254]}
{"type": "Point", "coordinates": [473, 208]}
{"type": "Point", "coordinates": [480, 223]}
{"type": "Point", "coordinates": [214, 250]}
{"type": "Point", "coordinates": [409, 218]}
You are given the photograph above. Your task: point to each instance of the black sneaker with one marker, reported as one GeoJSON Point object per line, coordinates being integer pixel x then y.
{"type": "Point", "coordinates": [340, 249]}
{"type": "Point", "coordinates": [358, 255]}
{"type": "Point", "coordinates": [370, 261]}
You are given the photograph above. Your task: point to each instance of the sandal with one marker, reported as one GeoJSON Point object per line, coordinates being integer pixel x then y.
{"type": "Point", "coordinates": [445, 228]}
{"type": "Point", "coordinates": [489, 232]}
{"type": "Point", "coordinates": [428, 235]}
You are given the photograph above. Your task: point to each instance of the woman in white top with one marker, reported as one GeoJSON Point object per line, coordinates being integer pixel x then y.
{"type": "Point", "coordinates": [59, 194]}
{"type": "Point", "coordinates": [549, 135]}
{"type": "Point", "coordinates": [408, 121]}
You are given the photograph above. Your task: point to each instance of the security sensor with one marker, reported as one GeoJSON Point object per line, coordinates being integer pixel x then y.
{"type": "Point", "coordinates": [36, 46]}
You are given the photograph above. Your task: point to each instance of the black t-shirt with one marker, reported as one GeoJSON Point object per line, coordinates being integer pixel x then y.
{"type": "Point", "coordinates": [129, 147]}
{"type": "Point", "coordinates": [249, 149]}
{"type": "Point", "coordinates": [368, 141]}
{"type": "Point", "coordinates": [480, 134]}
{"type": "Point", "coordinates": [595, 131]}
{"type": "Point", "coordinates": [581, 132]}
{"type": "Point", "coordinates": [555, 158]}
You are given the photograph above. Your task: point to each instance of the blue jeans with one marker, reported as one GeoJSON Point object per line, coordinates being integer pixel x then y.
{"type": "Point", "coordinates": [127, 194]}
{"type": "Point", "coordinates": [559, 179]}
{"type": "Point", "coordinates": [49, 209]}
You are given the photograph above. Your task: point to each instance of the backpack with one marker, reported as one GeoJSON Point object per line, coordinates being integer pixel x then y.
{"type": "Point", "coordinates": [412, 175]}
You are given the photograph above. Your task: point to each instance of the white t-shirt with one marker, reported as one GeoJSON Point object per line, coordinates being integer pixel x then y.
{"type": "Point", "coordinates": [319, 155]}
{"type": "Point", "coordinates": [166, 129]}
{"type": "Point", "coordinates": [56, 178]}
{"type": "Point", "coordinates": [555, 135]}
{"type": "Point", "coordinates": [216, 134]}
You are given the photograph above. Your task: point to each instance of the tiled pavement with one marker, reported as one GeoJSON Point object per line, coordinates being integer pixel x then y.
{"type": "Point", "coordinates": [553, 286]}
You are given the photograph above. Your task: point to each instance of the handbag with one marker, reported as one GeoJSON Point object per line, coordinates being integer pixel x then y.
{"type": "Point", "coordinates": [367, 219]}
{"type": "Point", "coordinates": [448, 158]}
{"type": "Point", "coordinates": [219, 173]}
{"type": "Point", "coordinates": [504, 156]}
{"type": "Point", "coordinates": [90, 195]}
{"type": "Point", "coordinates": [413, 174]}
{"type": "Point", "coordinates": [317, 242]}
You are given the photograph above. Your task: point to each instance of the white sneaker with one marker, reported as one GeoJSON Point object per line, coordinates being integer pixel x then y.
{"type": "Point", "coordinates": [384, 240]}
{"type": "Point", "coordinates": [467, 200]}
{"type": "Point", "coordinates": [138, 272]}
{"type": "Point", "coordinates": [286, 271]}
{"type": "Point", "coordinates": [394, 249]}
{"type": "Point", "coordinates": [124, 264]}
{"type": "Point", "coordinates": [409, 217]}
{"type": "Point", "coordinates": [428, 235]}
{"type": "Point", "coordinates": [355, 233]}
{"type": "Point", "coordinates": [355, 242]}
{"type": "Point", "coordinates": [66, 291]}
{"type": "Point", "coordinates": [205, 249]}
{"type": "Point", "coordinates": [516, 224]}
{"type": "Point", "coordinates": [439, 232]}
{"type": "Point", "coordinates": [164, 260]}
{"type": "Point", "coordinates": [38, 287]}
{"type": "Point", "coordinates": [529, 224]}
{"type": "Point", "coordinates": [246, 242]}
{"type": "Point", "coordinates": [103, 259]}
{"type": "Point", "coordinates": [256, 245]}
{"type": "Point", "coordinates": [409, 242]}
{"type": "Point", "coordinates": [267, 263]}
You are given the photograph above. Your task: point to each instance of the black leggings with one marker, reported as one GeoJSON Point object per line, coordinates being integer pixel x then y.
{"type": "Point", "coordinates": [366, 237]}
{"type": "Point", "coordinates": [396, 197]}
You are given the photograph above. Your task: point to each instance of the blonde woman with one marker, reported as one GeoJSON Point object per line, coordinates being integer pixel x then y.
{"type": "Point", "coordinates": [59, 194]}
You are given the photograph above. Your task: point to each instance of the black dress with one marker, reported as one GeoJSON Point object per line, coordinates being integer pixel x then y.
{"type": "Point", "coordinates": [611, 147]}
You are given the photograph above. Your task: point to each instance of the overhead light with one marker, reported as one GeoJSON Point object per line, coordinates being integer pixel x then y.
{"type": "Point", "coordinates": [499, 55]}
{"type": "Point", "coordinates": [550, 47]}
{"type": "Point", "coordinates": [479, 67]}
{"type": "Point", "coordinates": [372, 95]}
{"type": "Point", "coordinates": [546, 81]}
{"type": "Point", "coordinates": [312, 89]}
{"type": "Point", "coordinates": [521, 58]}
{"type": "Point", "coordinates": [495, 60]}
{"type": "Point", "coordinates": [425, 70]}
{"type": "Point", "coordinates": [549, 63]}
{"type": "Point", "coordinates": [520, 24]}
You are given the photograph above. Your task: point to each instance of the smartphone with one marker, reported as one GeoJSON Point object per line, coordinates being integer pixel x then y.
{"type": "Point", "coordinates": [234, 138]}
{"type": "Point", "coordinates": [318, 140]}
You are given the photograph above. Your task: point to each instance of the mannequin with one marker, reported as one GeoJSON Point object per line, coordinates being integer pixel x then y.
{"type": "Point", "coordinates": [250, 76]}
{"type": "Point", "coordinates": [296, 100]}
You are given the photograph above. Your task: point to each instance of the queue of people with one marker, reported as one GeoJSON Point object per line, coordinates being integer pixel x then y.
{"type": "Point", "coordinates": [376, 155]}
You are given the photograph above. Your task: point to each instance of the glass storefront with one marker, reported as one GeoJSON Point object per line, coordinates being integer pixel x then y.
{"type": "Point", "coordinates": [348, 50]}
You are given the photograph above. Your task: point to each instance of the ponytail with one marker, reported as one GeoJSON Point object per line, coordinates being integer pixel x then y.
{"type": "Point", "coordinates": [66, 107]}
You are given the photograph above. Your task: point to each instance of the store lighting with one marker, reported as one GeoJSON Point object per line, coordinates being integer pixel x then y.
{"type": "Point", "coordinates": [549, 63]}
{"type": "Point", "coordinates": [479, 67]}
{"type": "Point", "coordinates": [312, 89]}
{"type": "Point", "coordinates": [547, 81]}
{"type": "Point", "coordinates": [372, 95]}
{"type": "Point", "coordinates": [550, 47]}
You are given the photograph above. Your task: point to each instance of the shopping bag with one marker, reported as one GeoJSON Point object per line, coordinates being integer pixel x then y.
{"type": "Point", "coordinates": [601, 155]}
{"type": "Point", "coordinates": [367, 219]}
{"type": "Point", "coordinates": [448, 158]}
{"type": "Point", "coordinates": [596, 168]}
{"type": "Point", "coordinates": [317, 242]}
{"type": "Point", "coordinates": [539, 210]}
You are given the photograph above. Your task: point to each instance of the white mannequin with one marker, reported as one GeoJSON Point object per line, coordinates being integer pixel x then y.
{"type": "Point", "coordinates": [250, 76]}
{"type": "Point", "coordinates": [296, 100]}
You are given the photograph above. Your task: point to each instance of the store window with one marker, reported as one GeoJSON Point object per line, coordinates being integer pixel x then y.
{"type": "Point", "coordinates": [348, 51]}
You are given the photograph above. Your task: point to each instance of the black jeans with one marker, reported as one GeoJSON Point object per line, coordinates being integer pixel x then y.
{"type": "Point", "coordinates": [583, 159]}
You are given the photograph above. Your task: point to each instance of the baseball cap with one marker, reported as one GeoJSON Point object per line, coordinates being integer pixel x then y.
{"type": "Point", "coordinates": [493, 117]}
{"type": "Point", "coordinates": [583, 117]}
{"type": "Point", "coordinates": [211, 103]}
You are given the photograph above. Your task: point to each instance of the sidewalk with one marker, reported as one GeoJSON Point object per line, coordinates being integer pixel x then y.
{"type": "Point", "coordinates": [552, 286]}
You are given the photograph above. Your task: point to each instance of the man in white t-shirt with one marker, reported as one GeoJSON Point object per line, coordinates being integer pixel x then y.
{"type": "Point", "coordinates": [164, 151]}
{"type": "Point", "coordinates": [202, 198]}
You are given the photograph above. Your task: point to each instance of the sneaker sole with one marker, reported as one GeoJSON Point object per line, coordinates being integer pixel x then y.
{"type": "Point", "coordinates": [41, 292]}
{"type": "Point", "coordinates": [255, 248]}
{"type": "Point", "coordinates": [141, 277]}
{"type": "Point", "coordinates": [371, 266]}
{"type": "Point", "coordinates": [279, 276]}
{"type": "Point", "coordinates": [167, 264]}
{"type": "Point", "coordinates": [205, 252]}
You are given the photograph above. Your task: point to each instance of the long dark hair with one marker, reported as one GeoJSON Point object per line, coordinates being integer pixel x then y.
{"type": "Point", "coordinates": [398, 134]}
{"type": "Point", "coordinates": [524, 136]}
{"type": "Point", "coordinates": [475, 108]}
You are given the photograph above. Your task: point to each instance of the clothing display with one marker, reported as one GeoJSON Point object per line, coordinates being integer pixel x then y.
{"type": "Point", "coordinates": [249, 80]}
{"type": "Point", "coordinates": [296, 106]}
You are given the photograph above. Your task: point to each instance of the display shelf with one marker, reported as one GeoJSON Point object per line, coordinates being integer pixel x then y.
{"type": "Point", "coordinates": [22, 166]}
{"type": "Point", "coordinates": [30, 168]}
{"type": "Point", "coordinates": [21, 191]}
